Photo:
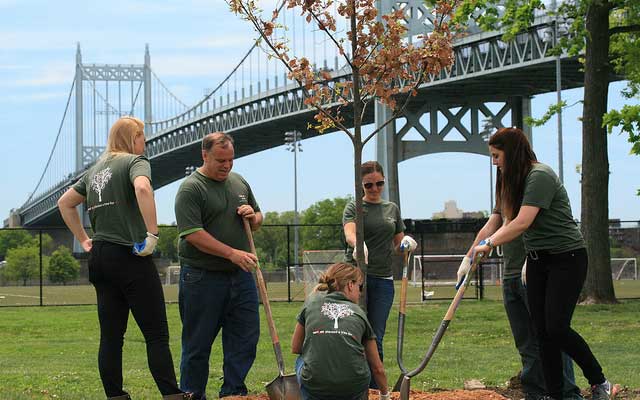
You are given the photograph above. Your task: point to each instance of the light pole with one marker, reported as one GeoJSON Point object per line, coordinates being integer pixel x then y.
{"type": "Point", "coordinates": [487, 129]}
{"type": "Point", "coordinates": [292, 139]}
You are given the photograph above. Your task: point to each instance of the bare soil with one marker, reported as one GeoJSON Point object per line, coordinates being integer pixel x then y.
{"type": "Point", "coordinates": [478, 394]}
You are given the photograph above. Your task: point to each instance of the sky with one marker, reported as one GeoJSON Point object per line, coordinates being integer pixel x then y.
{"type": "Point", "coordinates": [193, 45]}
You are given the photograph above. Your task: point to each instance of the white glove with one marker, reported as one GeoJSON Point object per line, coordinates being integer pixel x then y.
{"type": "Point", "coordinates": [523, 276]}
{"type": "Point", "coordinates": [366, 254]}
{"type": "Point", "coordinates": [386, 396]}
{"type": "Point", "coordinates": [464, 268]}
{"type": "Point", "coordinates": [408, 243]}
{"type": "Point", "coordinates": [146, 247]}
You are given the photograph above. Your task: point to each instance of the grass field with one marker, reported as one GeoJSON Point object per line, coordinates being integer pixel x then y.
{"type": "Point", "coordinates": [50, 352]}
{"type": "Point", "coordinates": [278, 291]}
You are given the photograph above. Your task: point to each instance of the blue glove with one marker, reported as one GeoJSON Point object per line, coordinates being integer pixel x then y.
{"type": "Point", "coordinates": [146, 247]}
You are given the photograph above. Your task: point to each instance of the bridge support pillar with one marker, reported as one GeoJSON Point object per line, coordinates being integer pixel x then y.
{"type": "Point", "coordinates": [386, 150]}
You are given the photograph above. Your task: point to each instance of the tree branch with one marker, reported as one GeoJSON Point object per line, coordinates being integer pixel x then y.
{"type": "Point", "coordinates": [624, 29]}
{"type": "Point", "coordinates": [333, 39]}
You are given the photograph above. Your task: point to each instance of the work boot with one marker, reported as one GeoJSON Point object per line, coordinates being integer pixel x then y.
{"type": "Point", "coordinates": [178, 396]}
{"type": "Point", "coordinates": [123, 397]}
{"type": "Point", "coordinates": [604, 391]}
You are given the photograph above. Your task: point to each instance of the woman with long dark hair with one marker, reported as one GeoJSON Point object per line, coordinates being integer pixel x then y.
{"type": "Point", "coordinates": [119, 198]}
{"type": "Point", "coordinates": [536, 205]}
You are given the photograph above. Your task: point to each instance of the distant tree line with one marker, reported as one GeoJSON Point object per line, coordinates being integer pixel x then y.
{"type": "Point", "coordinates": [20, 258]}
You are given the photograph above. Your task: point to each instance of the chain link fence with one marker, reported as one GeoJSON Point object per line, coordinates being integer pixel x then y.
{"type": "Point", "coordinates": [41, 267]}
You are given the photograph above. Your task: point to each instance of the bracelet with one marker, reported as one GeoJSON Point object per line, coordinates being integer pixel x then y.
{"type": "Point", "coordinates": [153, 236]}
{"type": "Point", "coordinates": [489, 243]}
{"type": "Point", "coordinates": [386, 396]}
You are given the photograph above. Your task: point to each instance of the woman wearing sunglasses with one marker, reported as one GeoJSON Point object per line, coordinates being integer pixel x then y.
{"type": "Point", "coordinates": [335, 340]}
{"type": "Point", "coordinates": [383, 234]}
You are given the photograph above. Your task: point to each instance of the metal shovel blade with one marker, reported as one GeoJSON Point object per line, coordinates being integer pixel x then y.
{"type": "Point", "coordinates": [284, 387]}
{"type": "Point", "coordinates": [396, 387]}
{"type": "Point", "coordinates": [404, 388]}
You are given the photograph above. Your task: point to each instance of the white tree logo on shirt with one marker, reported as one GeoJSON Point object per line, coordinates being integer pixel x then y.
{"type": "Point", "coordinates": [336, 311]}
{"type": "Point", "coordinates": [100, 180]}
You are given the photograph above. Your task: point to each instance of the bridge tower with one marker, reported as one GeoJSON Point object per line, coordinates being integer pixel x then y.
{"type": "Point", "coordinates": [121, 74]}
{"type": "Point", "coordinates": [435, 118]}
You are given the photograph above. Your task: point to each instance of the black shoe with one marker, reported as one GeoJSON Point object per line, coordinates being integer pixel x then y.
{"type": "Point", "coordinates": [604, 391]}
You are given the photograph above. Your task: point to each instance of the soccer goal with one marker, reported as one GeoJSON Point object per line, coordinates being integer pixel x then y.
{"type": "Point", "coordinates": [172, 275]}
{"type": "Point", "coordinates": [624, 268]}
{"type": "Point", "coordinates": [314, 263]}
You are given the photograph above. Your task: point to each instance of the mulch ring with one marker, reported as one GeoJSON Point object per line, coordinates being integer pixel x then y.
{"type": "Point", "coordinates": [416, 395]}
{"type": "Point", "coordinates": [477, 394]}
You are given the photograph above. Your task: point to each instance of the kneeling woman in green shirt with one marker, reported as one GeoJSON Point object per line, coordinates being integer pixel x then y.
{"type": "Point", "coordinates": [335, 340]}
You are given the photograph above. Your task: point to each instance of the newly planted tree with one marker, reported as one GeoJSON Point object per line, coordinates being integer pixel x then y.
{"type": "Point", "coordinates": [381, 64]}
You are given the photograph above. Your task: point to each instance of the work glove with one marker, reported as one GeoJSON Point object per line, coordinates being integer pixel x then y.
{"type": "Point", "coordinates": [386, 396]}
{"type": "Point", "coordinates": [366, 254]}
{"type": "Point", "coordinates": [463, 270]}
{"type": "Point", "coordinates": [146, 247]}
{"type": "Point", "coordinates": [523, 276]}
{"type": "Point", "coordinates": [408, 244]}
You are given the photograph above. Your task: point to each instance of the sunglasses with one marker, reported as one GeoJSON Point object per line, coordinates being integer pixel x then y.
{"type": "Point", "coordinates": [369, 185]}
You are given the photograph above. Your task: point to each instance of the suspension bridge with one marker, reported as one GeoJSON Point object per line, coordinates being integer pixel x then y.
{"type": "Point", "coordinates": [492, 81]}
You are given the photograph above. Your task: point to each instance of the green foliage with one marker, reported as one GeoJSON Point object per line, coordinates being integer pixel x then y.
{"type": "Point", "coordinates": [168, 242]}
{"type": "Point", "coordinates": [553, 109]}
{"type": "Point", "coordinates": [23, 263]}
{"type": "Point", "coordinates": [13, 238]}
{"type": "Point", "coordinates": [271, 241]}
{"type": "Point", "coordinates": [63, 267]}
{"type": "Point", "coordinates": [328, 211]}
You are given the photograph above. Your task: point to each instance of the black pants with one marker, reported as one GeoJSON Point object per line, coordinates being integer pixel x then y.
{"type": "Point", "coordinates": [126, 282]}
{"type": "Point", "coordinates": [554, 282]}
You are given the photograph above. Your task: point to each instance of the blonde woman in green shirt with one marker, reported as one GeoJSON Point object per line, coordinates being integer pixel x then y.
{"type": "Point", "coordinates": [119, 199]}
{"type": "Point", "coordinates": [536, 204]}
{"type": "Point", "coordinates": [336, 343]}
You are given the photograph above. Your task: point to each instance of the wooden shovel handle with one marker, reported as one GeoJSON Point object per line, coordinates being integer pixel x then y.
{"type": "Point", "coordinates": [262, 289]}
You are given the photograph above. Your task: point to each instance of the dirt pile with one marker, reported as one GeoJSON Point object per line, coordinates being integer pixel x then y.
{"type": "Point", "coordinates": [416, 395]}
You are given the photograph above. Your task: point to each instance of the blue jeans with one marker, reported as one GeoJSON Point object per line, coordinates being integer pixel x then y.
{"type": "Point", "coordinates": [209, 301]}
{"type": "Point", "coordinates": [532, 376]}
{"type": "Point", "coordinates": [308, 396]}
{"type": "Point", "coordinates": [380, 294]}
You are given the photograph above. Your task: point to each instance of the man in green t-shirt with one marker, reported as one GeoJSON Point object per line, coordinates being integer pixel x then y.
{"type": "Point", "coordinates": [217, 289]}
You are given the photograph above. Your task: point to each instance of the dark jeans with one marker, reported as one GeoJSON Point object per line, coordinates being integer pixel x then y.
{"type": "Point", "coordinates": [532, 376]}
{"type": "Point", "coordinates": [554, 282]}
{"type": "Point", "coordinates": [380, 294]}
{"type": "Point", "coordinates": [210, 301]}
{"type": "Point", "coordinates": [306, 395]}
{"type": "Point", "coordinates": [126, 282]}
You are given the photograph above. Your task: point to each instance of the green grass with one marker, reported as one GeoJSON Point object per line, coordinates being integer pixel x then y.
{"type": "Point", "coordinates": [50, 352]}
{"type": "Point", "coordinates": [278, 291]}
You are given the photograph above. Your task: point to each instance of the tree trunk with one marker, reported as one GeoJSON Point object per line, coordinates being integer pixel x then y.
{"type": "Point", "coordinates": [598, 287]}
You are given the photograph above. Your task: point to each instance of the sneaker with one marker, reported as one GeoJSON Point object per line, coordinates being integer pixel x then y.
{"type": "Point", "coordinates": [604, 391]}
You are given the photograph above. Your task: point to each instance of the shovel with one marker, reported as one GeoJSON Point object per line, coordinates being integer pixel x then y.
{"type": "Point", "coordinates": [404, 382]}
{"type": "Point", "coordinates": [401, 317]}
{"type": "Point", "coordinates": [283, 387]}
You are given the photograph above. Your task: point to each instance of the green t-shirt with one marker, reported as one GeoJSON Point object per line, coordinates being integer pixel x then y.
{"type": "Point", "coordinates": [204, 203]}
{"type": "Point", "coordinates": [553, 229]}
{"type": "Point", "coordinates": [513, 255]}
{"type": "Point", "coordinates": [111, 198]}
{"type": "Point", "coordinates": [335, 333]}
{"type": "Point", "coordinates": [382, 221]}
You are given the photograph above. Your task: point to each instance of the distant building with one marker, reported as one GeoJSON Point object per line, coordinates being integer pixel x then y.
{"type": "Point", "coordinates": [451, 211]}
